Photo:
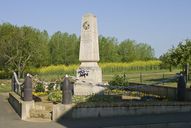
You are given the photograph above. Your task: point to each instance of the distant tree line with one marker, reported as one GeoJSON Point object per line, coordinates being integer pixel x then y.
{"type": "Point", "coordinates": [177, 56]}
{"type": "Point", "coordinates": [25, 47]}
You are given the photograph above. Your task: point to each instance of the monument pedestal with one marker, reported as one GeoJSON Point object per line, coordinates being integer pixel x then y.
{"type": "Point", "coordinates": [84, 88]}
{"type": "Point", "coordinates": [94, 72]}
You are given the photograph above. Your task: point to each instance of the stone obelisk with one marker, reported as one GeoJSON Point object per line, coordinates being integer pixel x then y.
{"type": "Point", "coordinates": [89, 50]}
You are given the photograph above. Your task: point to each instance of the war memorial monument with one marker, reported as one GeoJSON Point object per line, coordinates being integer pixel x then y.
{"type": "Point", "coordinates": [89, 74]}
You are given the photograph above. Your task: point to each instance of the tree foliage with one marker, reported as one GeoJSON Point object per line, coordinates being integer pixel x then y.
{"type": "Point", "coordinates": [25, 47]}
{"type": "Point", "coordinates": [178, 56]}
{"type": "Point", "coordinates": [21, 47]}
{"type": "Point", "coordinates": [64, 48]}
{"type": "Point", "coordinates": [108, 49]}
{"type": "Point", "coordinates": [130, 51]}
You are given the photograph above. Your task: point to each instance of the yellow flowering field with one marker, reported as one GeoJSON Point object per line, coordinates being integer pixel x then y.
{"type": "Point", "coordinates": [58, 71]}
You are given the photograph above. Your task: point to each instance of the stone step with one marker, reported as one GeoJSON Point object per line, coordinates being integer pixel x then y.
{"type": "Point", "coordinates": [38, 120]}
{"type": "Point", "coordinates": [41, 114]}
{"type": "Point", "coordinates": [43, 106]}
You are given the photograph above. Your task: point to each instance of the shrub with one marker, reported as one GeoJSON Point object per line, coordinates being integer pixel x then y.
{"type": "Point", "coordinates": [51, 86]}
{"type": "Point", "coordinates": [39, 88]}
{"type": "Point", "coordinates": [5, 74]}
{"type": "Point", "coordinates": [55, 96]}
{"type": "Point", "coordinates": [119, 80]}
{"type": "Point", "coordinates": [54, 86]}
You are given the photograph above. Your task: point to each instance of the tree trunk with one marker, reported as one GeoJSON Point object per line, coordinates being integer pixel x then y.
{"type": "Point", "coordinates": [170, 68]}
{"type": "Point", "coordinates": [19, 71]}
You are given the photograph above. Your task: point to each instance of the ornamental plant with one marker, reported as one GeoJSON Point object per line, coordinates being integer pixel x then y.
{"type": "Point", "coordinates": [55, 96]}
{"type": "Point", "coordinates": [39, 87]}
{"type": "Point", "coordinates": [119, 80]}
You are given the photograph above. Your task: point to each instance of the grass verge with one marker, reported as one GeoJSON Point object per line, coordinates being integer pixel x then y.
{"type": "Point", "coordinates": [5, 86]}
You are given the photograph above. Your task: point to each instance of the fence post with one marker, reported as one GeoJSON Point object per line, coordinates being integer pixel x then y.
{"type": "Point", "coordinates": [186, 71]}
{"type": "Point", "coordinates": [181, 88]}
{"type": "Point", "coordinates": [141, 78]}
{"type": "Point", "coordinates": [66, 92]}
{"type": "Point", "coordinates": [28, 89]}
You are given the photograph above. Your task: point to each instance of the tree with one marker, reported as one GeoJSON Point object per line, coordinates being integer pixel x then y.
{"type": "Point", "coordinates": [144, 52]}
{"type": "Point", "coordinates": [178, 56]}
{"type": "Point", "coordinates": [127, 50]}
{"type": "Point", "coordinates": [37, 42]}
{"type": "Point", "coordinates": [108, 49]}
{"type": "Point", "coordinates": [20, 47]}
{"type": "Point", "coordinates": [64, 48]}
{"type": "Point", "coordinates": [166, 61]}
{"type": "Point", "coordinates": [71, 49]}
{"type": "Point", "coordinates": [130, 50]}
{"type": "Point", "coordinates": [25, 47]}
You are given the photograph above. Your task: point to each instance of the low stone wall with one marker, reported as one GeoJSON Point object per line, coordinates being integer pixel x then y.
{"type": "Point", "coordinates": [20, 106]}
{"type": "Point", "coordinates": [15, 102]}
{"type": "Point", "coordinates": [169, 92]}
{"type": "Point", "coordinates": [71, 111]}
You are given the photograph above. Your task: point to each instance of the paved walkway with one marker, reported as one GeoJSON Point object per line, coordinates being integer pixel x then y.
{"type": "Point", "coordinates": [9, 119]}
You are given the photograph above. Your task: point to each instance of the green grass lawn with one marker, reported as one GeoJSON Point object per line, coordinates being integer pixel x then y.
{"type": "Point", "coordinates": [149, 77]}
{"type": "Point", "coordinates": [5, 85]}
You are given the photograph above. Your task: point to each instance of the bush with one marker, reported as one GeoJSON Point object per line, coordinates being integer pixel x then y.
{"type": "Point", "coordinates": [55, 96]}
{"type": "Point", "coordinates": [5, 74]}
{"type": "Point", "coordinates": [51, 86]}
{"type": "Point", "coordinates": [39, 88]}
{"type": "Point", "coordinates": [119, 80]}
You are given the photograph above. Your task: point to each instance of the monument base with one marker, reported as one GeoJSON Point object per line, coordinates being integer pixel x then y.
{"type": "Point", "coordinates": [89, 77]}
{"type": "Point", "coordinates": [84, 88]}
{"type": "Point", "coordinates": [93, 72]}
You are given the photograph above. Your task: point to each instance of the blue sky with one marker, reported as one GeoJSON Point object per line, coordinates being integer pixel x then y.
{"type": "Point", "coordinates": [160, 23]}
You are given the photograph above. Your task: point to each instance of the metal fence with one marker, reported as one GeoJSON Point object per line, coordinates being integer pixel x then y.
{"type": "Point", "coordinates": [153, 78]}
{"type": "Point", "coordinates": [16, 86]}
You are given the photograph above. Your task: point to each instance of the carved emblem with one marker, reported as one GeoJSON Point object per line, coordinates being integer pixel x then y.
{"type": "Point", "coordinates": [86, 25]}
{"type": "Point", "coordinates": [83, 72]}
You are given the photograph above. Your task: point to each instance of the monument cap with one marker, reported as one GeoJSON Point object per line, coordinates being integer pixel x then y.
{"type": "Point", "coordinates": [89, 14]}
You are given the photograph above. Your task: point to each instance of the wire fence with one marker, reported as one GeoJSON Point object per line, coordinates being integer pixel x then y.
{"type": "Point", "coordinates": [168, 79]}
{"type": "Point", "coordinates": [149, 86]}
